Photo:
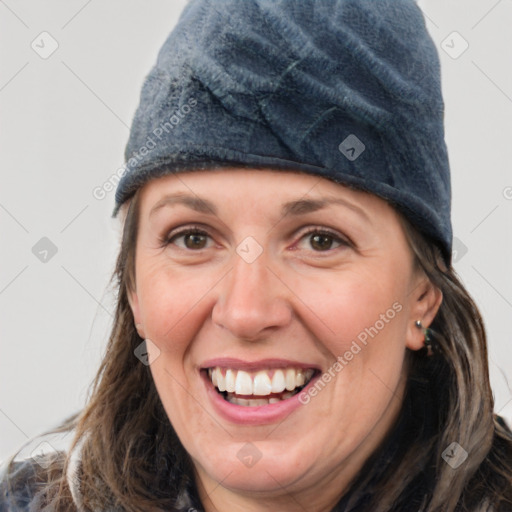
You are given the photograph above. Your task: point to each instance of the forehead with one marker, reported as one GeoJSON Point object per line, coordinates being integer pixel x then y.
{"type": "Point", "coordinates": [260, 187]}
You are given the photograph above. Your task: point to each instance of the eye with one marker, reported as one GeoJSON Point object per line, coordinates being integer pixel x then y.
{"type": "Point", "coordinates": [189, 239]}
{"type": "Point", "coordinates": [322, 240]}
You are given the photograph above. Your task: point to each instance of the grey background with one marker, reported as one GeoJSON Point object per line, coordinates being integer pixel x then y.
{"type": "Point", "coordinates": [64, 124]}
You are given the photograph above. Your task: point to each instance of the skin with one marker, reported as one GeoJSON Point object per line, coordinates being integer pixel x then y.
{"type": "Point", "coordinates": [303, 298]}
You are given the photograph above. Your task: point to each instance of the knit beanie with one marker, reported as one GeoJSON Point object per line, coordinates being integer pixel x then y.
{"type": "Point", "coordinates": [348, 90]}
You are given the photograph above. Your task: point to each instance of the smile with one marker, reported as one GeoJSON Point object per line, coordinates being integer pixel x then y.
{"type": "Point", "coordinates": [263, 387]}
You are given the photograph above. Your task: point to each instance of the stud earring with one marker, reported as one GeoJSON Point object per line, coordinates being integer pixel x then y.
{"type": "Point", "coordinates": [428, 337]}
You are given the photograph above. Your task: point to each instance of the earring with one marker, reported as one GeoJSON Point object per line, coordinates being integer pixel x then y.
{"type": "Point", "coordinates": [428, 338]}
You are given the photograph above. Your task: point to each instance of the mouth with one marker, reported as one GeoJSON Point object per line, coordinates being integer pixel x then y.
{"type": "Point", "coordinates": [257, 388]}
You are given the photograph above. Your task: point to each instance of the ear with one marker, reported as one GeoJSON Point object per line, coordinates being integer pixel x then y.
{"type": "Point", "coordinates": [425, 303]}
{"type": "Point", "coordinates": [133, 300]}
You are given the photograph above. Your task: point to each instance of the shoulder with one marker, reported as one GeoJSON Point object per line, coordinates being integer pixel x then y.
{"type": "Point", "coordinates": [29, 484]}
{"type": "Point", "coordinates": [21, 485]}
{"type": "Point", "coordinates": [30, 476]}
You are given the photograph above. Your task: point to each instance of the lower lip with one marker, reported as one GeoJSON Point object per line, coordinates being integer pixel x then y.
{"type": "Point", "coordinates": [257, 415]}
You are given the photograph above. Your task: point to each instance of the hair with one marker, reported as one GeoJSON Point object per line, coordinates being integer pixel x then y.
{"type": "Point", "coordinates": [132, 458]}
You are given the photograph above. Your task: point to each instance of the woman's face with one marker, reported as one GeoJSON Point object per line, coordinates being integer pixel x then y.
{"type": "Point", "coordinates": [279, 306]}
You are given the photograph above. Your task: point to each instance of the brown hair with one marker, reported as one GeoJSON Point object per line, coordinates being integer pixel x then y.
{"type": "Point", "coordinates": [133, 459]}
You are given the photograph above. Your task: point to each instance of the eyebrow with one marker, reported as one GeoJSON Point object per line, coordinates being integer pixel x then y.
{"type": "Point", "coordinates": [293, 208]}
{"type": "Point", "coordinates": [303, 206]}
{"type": "Point", "coordinates": [193, 202]}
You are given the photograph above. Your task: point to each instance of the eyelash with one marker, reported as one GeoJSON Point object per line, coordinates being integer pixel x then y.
{"type": "Point", "coordinates": [197, 230]}
{"type": "Point", "coordinates": [326, 232]}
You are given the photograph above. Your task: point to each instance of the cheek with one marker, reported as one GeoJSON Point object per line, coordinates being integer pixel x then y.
{"type": "Point", "coordinates": [172, 305]}
{"type": "Point", "coordinates": [354, 306]}
{"type": "Point", "coordinates": [360, 320]}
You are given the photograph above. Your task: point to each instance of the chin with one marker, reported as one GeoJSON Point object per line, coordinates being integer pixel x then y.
{"type": "Point", "coordinates": [255, 467]}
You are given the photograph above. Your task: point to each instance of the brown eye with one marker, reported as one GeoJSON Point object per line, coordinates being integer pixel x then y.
{"type": "Point", "coordinates": [192, 239]}
{"type": "Point", "coordinates": [195, 241]}
{"type": "Point", "coordinates": [321, 242]}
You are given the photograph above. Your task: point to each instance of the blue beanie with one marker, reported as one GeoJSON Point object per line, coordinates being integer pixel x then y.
{"type": "Point", "coordinates": [344, 89]}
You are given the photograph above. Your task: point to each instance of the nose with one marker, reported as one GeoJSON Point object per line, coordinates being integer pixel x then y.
{"type": "Point", "coordinates": [252, 301]}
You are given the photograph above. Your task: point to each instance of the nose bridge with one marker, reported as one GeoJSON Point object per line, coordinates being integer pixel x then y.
{"type": "Point", "coordinates": [251, 300]}
{"type": "Point", "coordinates": [251, 280]}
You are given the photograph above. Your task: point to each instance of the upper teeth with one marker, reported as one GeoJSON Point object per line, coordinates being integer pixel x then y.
{"type": "Point", "coordinates": [261, 383]}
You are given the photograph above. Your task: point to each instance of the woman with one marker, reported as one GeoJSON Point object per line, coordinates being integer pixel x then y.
{"type": "Point", "coordinates": [290, 334]}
